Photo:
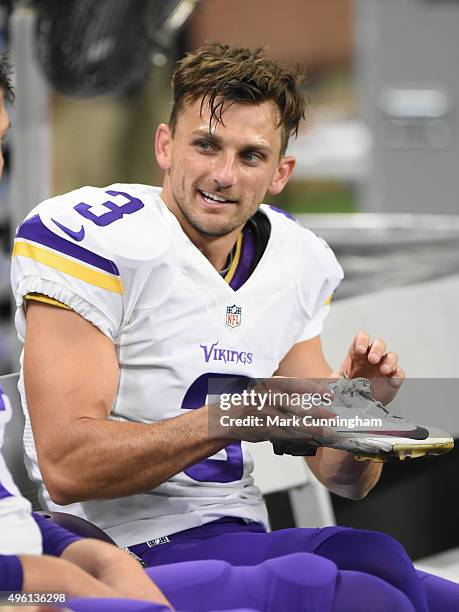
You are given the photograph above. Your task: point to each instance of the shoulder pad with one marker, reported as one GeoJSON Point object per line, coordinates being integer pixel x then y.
{"type": "Point", "coordinates": [321, 273]}
{"type": "Point", "coordinates": [117, 221]}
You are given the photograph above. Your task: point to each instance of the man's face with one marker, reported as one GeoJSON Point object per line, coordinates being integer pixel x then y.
{"type": "Point", "coordinates": [215, 180]}
{"type": "Point", "coordinates": [4, 125]}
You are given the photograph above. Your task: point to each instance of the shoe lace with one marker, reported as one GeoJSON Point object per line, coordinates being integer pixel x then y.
{"type": "Point", "coordinates": [360, 386]}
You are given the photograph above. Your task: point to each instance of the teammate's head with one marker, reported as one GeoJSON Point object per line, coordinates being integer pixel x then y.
{"type": "Point", "coordinates": [5, 79]}
{"type": "Point", "coordinates": [224, 147]}
{"type": "Point", "coordinates": [220, 75]}
{"type": "Point", "coordinates": [6, 94]}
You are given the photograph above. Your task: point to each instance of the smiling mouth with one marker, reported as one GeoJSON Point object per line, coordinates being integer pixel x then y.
{"type": "Point", "coordinates": [212, 198]}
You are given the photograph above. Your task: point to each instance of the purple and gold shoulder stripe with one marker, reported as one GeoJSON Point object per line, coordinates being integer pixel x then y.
{"type": "Point", "coordinates": [35, 241]}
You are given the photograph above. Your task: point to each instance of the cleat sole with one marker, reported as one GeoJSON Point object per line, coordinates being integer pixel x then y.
{"type": "Point", "coordinates": [400, 452]}
{"type": "Point", "coordinates": [404, 451]}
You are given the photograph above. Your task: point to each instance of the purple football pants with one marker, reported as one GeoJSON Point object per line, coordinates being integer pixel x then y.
{"type": "Point", "coordinates": [300, 582]}
{"type": "Point", "coordinates": [358, 567]}
{"type": "Point", "coordinates": [279, 584]}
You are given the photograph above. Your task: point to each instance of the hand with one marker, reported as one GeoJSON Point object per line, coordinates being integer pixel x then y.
{"type": "Point", "coordinates": [275, 408]}
{"type": "Point", "coordinates": [113, 569]}
{"type": "Point", "coordinates": [370, 359]}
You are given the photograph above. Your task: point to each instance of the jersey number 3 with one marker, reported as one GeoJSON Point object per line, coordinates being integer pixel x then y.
{"type": "Point", "coordinates": [115, 211]}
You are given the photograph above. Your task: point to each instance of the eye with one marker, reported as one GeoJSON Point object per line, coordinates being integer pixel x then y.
{"type": "Point", "coordinates": [251, 157]}
{"type": "Point", "coordinates": [204, 146]}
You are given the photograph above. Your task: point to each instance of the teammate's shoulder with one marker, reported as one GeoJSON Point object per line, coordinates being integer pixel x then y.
{"type": "Point", "coordinates": [5, 408]}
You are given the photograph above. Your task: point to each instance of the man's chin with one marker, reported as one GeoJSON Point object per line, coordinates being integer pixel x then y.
{"type": "Point", "coordinates": [212, 230]}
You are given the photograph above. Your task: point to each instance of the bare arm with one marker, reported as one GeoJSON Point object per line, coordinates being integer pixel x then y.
{"type": "Point", "coordinates": [71, 378]}
{"type": "Point", "coordinates": [114, 568]}
{"type": "Point", "coordinates": [337, 470]}
{"type": "Point", "coordinates": [49, 574]}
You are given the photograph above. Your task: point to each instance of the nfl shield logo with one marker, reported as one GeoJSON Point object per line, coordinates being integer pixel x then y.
{"type": "Point", "coordinates": [233, 316]}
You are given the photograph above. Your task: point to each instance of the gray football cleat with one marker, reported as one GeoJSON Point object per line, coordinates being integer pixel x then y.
{"type": "Point", "coordinates": [358, 423]}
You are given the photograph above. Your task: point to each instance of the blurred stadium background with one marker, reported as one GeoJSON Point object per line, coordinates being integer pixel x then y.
{"type": "Point", "coordinates": [377, 175]}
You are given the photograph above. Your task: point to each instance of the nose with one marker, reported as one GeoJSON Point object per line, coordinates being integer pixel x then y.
{"type": "Point", "coordinates": [223, 170]}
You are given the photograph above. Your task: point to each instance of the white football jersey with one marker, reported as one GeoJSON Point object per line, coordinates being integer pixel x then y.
{"type": "Point", "coordinates": [19, 534]}
{"type": "Point", "coordinates": [119, 258]}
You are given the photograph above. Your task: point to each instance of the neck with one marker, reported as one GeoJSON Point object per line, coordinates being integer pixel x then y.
{"type": "Point", "coordinates": [215, 248]}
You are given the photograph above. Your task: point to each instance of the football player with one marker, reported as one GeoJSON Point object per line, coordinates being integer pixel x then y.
{"type": "Point", "coordinates": [38, 556]}
{"type": "Point", "coordinates": [131, 297]}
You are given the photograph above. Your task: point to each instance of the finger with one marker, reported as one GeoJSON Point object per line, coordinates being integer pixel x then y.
{"type": "Point", "coordinates": [335, 375]}
{"type": "Point", "coordinates": [389, 364]}
{"type": "Point", "coordinates": [396, 380]}
{"type": "Point", "coordinates": [361, 342]}
{"type": "Point", "coordinates": [377, 351]}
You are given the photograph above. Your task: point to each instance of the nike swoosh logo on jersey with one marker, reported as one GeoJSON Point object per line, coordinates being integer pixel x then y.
{"type": "Point", "coordinates": [76, 235]}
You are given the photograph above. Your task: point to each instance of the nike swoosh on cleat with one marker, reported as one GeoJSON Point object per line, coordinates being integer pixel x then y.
{"type": "Point", "coordinates": [420, 433]}
{"type": "Point", "coordinates": [76, 235]}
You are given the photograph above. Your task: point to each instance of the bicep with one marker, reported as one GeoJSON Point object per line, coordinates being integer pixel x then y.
{"type": "Point", "coordinates": [305, 360]}
{"type": "Point", "coordinates": [70, 371]}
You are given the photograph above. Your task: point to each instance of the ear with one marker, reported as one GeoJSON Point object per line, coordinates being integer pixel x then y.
{"type": "Point", "coordinates": [163, 141]}
{"type": "Point", "coordinates": [282, 174]}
